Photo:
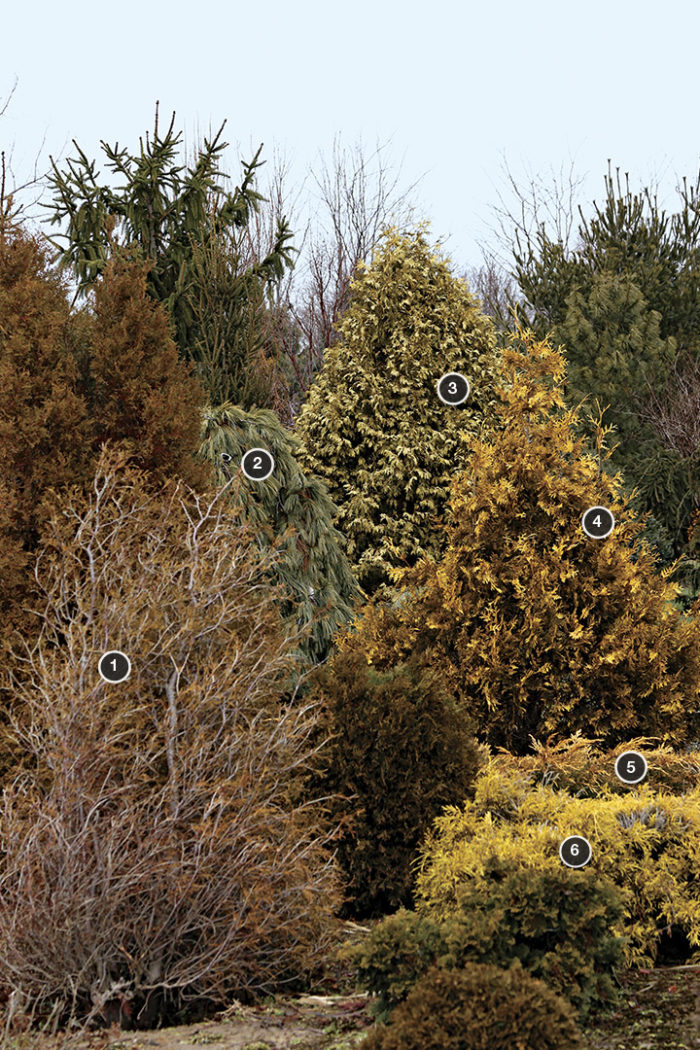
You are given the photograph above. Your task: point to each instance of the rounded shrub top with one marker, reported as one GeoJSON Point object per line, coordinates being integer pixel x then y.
{"type": "Point", "coordinates": [479, 1007]}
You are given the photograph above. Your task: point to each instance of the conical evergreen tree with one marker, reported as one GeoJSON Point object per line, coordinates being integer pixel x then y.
{"type": "Point", "coordinates": [139, 390]}
{"type": "Point", "coordinates": [44, 424]}
{"type": "Point", "coordinates": [188, 225]}
{"type": "Point", "coordinates": [539, 628]}
{"type": "Point", "coordinates": [614, 351]}
{"type": "Point", "coordinates": [373, 426]}
{"type": "Point", "coordinates": [613, 348]}
{"type": "Point", "coordinates": [294, 511]}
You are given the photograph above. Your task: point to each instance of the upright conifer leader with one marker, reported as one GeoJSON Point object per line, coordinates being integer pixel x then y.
{"type": "Point", "coordinates": [373, 426]}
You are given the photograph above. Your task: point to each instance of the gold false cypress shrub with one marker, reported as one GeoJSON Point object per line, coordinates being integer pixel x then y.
{"type": "Point", "coordinates": [582, 768]}
{"type": "Point", "coordinates": [540, 629]}
{"type": "Point", "coordinates": [645, 841]}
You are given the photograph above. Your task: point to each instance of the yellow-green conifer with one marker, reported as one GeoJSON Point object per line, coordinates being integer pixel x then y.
{"type": "Point", "coordinates": [373, 426]}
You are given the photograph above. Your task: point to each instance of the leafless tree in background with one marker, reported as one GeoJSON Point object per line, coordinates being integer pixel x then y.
{"type": "Point", "coordinates": [495, 288]}
{"type": "Point", "coordinates": [674, 411]}
{"type": "Point", "coordinates": [10, 189]}
{"type": "Point", "coordinates": [355, 202]}
{"type": "Point", "coordinates": [552, 204]}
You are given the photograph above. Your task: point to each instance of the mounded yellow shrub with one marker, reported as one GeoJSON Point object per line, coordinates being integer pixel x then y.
{"type": "Point", "coordinates": [647, 843]}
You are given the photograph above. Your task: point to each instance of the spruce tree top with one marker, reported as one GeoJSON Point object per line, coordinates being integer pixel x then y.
{"type": "Point", "coordinates": [373, 425]}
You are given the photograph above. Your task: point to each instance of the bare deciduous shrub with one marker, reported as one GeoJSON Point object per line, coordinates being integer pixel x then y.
{"type": "Point", "coordinates": [150, 852]}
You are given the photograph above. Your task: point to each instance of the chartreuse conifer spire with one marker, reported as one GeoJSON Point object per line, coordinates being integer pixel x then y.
{"type": "Point", "coordinates": [373, 426]}
{"type": "Point", "coordinates": [540, 628]}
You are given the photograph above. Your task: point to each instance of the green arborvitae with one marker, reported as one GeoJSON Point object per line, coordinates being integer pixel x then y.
{"type": "Point", "coordinates": [176, 218]}
{"type": "Point", "coordinates": [540, 628]}
{"type": "Point", "coordinates": [400, 751]}
{"type": "Point", "coordinates": [373, 425]}
{"type": "Point", "coordinates": [295, 511]}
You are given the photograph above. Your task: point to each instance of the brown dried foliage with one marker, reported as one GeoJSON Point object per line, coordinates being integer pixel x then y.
{"type": "Point", "coordinates": [149, 850]}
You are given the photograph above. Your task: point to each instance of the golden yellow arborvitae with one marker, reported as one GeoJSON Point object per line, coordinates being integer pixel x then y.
{"type": "Point", "coordinates": [539, 628]}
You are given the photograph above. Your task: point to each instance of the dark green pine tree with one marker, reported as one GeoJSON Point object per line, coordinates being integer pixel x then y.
{"type": "Point", "coordinates": [614, 351]}
{"type": "Point", "coordinates": [291, 510]}
{"type": "Point", "coordinates": [373, 426]}
{"type": "Point", "coordinates": [185, 222]}
{"type": "Point", "coordinates": [632, 242]}
{"type": "Point", "coordinates": [626, 235]}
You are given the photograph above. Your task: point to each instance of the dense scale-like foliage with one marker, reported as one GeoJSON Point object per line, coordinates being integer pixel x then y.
{"type": "Point", "coordinates": [400, 752]}
{"type": "Point", "coordinates": [136, 387]}
{"type": "Point", "coordinates": [152, 851]}
{"type": "Point", "coordinates": [294, 511]}
{"type": "Point", "coordinates": [479, 1007]}
{"type": "Point", "coordinates": [556, 923]}
{"type": "Point", "coordinates": [647, 843]}
{"type": "Point", "coordinates": [373, 425]}
{"type": "Point", "coordinates": [539, 628]}
{"type": "Point", "coordinates": [44, 425]}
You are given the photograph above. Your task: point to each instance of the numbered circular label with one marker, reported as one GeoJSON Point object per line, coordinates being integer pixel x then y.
{"type": "Point", "coordinates": [453, 388]}
{"type": "Point", "coordinates": [114, 666]}
{"type": "Point", "coordinates": [598, 522]}
{"type": "Point", "coordinates": [575, 851]}
{"type": "Point", "coordinates": [631, 767]}
{"type": "Point", "coordinates": [257, 464]}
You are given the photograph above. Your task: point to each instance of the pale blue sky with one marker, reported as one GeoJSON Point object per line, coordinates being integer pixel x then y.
{"type": "Point", "coordinates": [456, 87]}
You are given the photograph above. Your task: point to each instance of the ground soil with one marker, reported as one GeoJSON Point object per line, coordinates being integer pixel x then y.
{"type": "Point", "coordinates": [659, 1010]}
{"type": "Point", "coordinates": [307, 1022]}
